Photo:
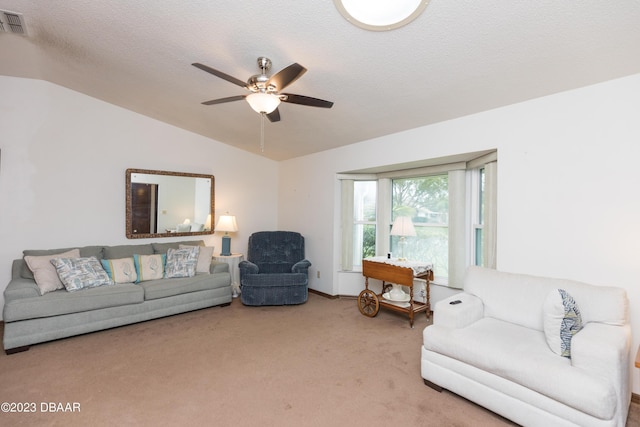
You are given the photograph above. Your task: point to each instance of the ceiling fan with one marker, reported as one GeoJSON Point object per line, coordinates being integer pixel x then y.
{"type": "Point", "coordinates": [265, 96]}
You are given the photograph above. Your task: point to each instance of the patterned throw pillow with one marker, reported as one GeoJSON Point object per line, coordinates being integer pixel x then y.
{"type": "Point", "coordinates": [149, 267]}
{"type": "Point", "coordinates": [45, 273]}
{"type": "Point", "coordinates": [205, 255]}
{"type": "Point", "coordinates": [182, 262]}
{"type": "Point", "coordinates": [562, 320]}
{"type": "Point", "coordinates": [81, 273]}
{"type": "Point", "coordinates": [122, 270]}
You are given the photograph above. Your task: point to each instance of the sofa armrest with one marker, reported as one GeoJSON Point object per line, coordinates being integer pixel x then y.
{"type": "Point", "coordinates": [301, 266]}
{"type": "Point", "coordinates": [218, 267]}
{"type": "Point", "coordinates": [457, 316]}
{"type": "Point", "coordinates": [604, 350]}
{"type": "Point", "coordinates": [247, 267]}
{"type": "Point", "coordinates": [21, 288]}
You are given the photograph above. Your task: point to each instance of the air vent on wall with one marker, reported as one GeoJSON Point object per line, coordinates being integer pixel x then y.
{"type": "Point", "coordinates": [11, 22]}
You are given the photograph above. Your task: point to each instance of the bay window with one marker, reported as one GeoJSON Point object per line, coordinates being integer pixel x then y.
{"type": "Point", "coordinates": [452, 206]}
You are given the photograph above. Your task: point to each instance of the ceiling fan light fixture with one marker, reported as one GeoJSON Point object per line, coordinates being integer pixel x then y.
{"type": "Point", "coordinates": [380, 15]}
{"type": "Point", "coordinates": [263, 102]}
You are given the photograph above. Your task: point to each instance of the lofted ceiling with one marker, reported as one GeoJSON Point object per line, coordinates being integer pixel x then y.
{"type": "Point", "coordinates": [458, 58]}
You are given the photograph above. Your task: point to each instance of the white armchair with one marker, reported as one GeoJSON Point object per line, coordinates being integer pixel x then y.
{"type": "Point", "coordinates": [492, 348]}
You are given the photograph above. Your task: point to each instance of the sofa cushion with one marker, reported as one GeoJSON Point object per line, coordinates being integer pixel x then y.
{"type": "Point", "coordinates": [155, 289]}
{"type": "Point", "coordinates": [274, 267]}
{"type": "Point", "coordinates": [62, 302]}
{"type": "Point", "coordinates": [562, 321]}
{"type": "Point", "coordinates": [44, 273]}
{"type": "Point", "coordinates": [522, 355]}
{"type": "Point", "coordinates": [162, 248]}
{"type": "Point", "coordinates": [149, 267]}
{"type": "Point", "coordinates": [81, 273]}
{"type": "Point", "coordinates": [122, 270]}
{"type": "Point", "coordinates": [124, 251]}
{"type": "Point", "coordinates": [181, 262]}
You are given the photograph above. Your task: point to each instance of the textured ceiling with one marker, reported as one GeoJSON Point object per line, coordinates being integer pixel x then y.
{"type": "Point", "coordinates": [458, 58]}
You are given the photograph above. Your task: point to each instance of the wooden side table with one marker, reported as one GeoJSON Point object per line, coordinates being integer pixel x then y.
{"type": "Point", "coordinates": [233, 260]}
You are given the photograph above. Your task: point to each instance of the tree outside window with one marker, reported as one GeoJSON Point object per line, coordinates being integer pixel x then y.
{"type": "Point", "coordinates": [426, 201]}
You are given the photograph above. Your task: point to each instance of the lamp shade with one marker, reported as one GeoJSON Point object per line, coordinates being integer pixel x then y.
{"type": "Point", "coordinates": [403, 226]}
{"type": "Point", "coordinates": [263, 102]}
{"type": "Point", "coordinates": [227, 223]}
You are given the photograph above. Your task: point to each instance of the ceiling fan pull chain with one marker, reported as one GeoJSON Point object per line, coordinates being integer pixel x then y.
{"type": "Point", "coordinates": [262, 132]}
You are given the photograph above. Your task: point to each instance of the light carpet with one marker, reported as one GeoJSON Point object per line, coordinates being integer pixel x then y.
{"type": "Point", "coordinates": [317, 364]}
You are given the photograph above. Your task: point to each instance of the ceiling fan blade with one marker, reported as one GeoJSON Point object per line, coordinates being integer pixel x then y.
{"type": "Point", "coordinates": [286, 76]}
{"type": "Point", "coordinates": [305, 100]}
{"type": "Point", "coordinates": [220, 74]}
{"type": "Point", "coordinates": [274, 116]}
{"type": "Point", "coordinates": [223, 100]}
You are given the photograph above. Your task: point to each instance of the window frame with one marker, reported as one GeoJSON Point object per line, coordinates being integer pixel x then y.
{"type": "Point", "coordinates": [469, 166]}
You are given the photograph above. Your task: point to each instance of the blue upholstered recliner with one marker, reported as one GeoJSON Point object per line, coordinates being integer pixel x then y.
{"type": "Point", "coordinates": [275, 272]}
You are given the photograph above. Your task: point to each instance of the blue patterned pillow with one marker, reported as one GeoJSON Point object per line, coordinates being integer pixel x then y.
{"type": "Point", "coordinates": [182, 262]}
{"type": "Point", "coordinates": [81, 273]}
{"type": "Point", "coordinates": [562, 320]}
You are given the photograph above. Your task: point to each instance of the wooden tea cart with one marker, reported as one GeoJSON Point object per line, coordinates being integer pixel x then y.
{"type": "Point", "coordinates": [393, 272]}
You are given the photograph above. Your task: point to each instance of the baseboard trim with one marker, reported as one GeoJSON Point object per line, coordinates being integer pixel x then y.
{"type": "Point", "coordinates": [322, 294]}
{"type": "Point", "coordinates": [635, 398]}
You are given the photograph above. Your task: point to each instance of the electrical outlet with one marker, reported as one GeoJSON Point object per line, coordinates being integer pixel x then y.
{"type": "Point", "coordinates": [318, 274]}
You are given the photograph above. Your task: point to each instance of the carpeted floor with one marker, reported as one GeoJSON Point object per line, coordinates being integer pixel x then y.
{"type": "Point", "coordinates": [317, 364]}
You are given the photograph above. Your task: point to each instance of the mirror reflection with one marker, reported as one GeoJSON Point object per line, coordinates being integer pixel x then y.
{"type": "Point", "coordinates": [165, 204]}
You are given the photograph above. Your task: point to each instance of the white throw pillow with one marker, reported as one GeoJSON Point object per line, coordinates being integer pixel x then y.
{"type": "Point", "coordinates": [204, 258]}
{"type": "Point", "coordinates": [562, 320]}
{"type": "Point", "coordinates": [45, 273]}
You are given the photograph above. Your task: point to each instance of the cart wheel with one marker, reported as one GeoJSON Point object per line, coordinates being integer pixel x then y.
{"type": "Point", "coordinates": [368, 303]}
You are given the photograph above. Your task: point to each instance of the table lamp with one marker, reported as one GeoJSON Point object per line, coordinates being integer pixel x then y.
{"type": "Point", "coordinates": [226, 223]}
{"type": "Point", "coordinates": [402, 227]}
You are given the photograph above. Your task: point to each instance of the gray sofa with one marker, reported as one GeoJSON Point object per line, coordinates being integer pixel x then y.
{"type": "Point", "coordinates": [31, 318]}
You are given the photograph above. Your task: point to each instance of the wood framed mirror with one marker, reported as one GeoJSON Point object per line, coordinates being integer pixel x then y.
{"type": "Point", "coordinates": [168, 204]}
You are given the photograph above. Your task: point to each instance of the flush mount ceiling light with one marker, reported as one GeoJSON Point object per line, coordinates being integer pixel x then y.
{"type": "Point", "coordinates": [380, 15]}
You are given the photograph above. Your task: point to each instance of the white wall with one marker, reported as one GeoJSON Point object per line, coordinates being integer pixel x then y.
{"type": "Point", "coordinates": [63, 162]}
{"type": "Point", "coordinates": [568, 187]}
